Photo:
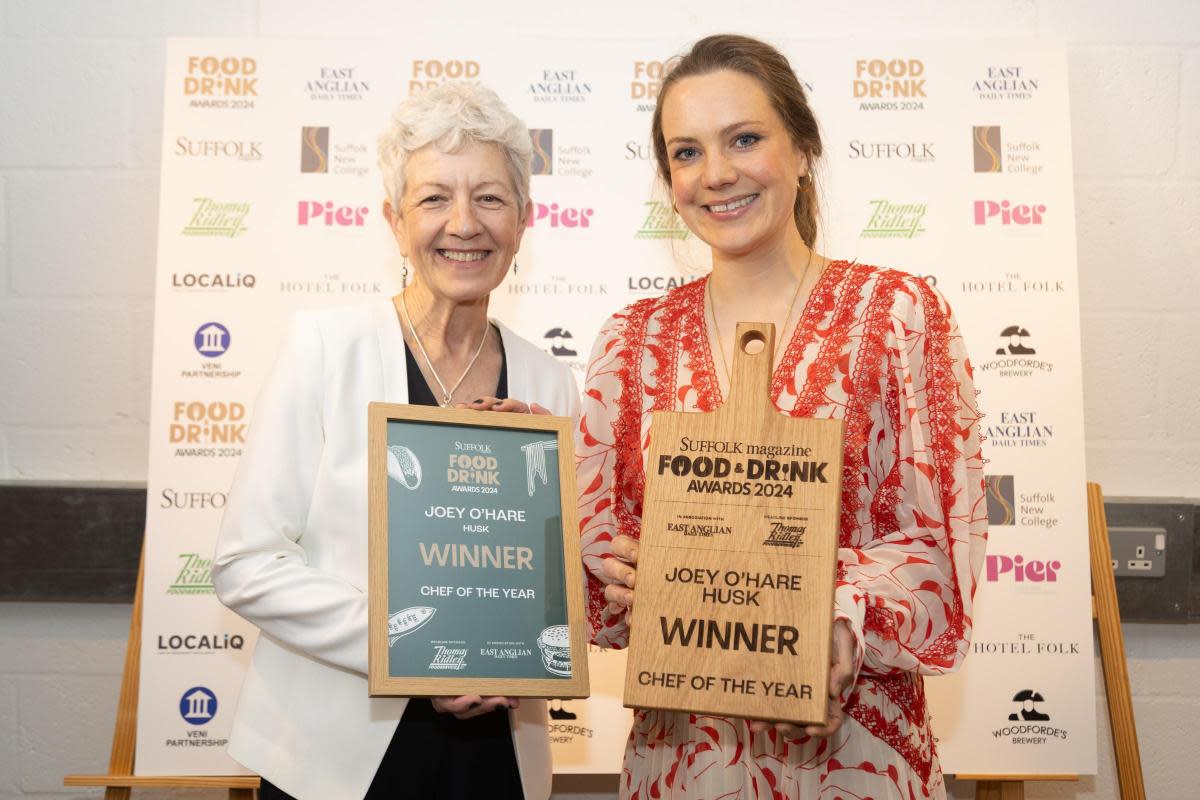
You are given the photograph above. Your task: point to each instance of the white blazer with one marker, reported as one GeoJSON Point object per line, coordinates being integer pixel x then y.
{"type": "Point", "coordinates": [292, 555]}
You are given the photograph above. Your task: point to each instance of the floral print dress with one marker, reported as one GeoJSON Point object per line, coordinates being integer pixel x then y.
{"type": "Point", "coordinates": [879, 349]}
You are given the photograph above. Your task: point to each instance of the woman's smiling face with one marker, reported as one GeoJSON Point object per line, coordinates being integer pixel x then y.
{"type": "Point", "coordinates": [734, 166]}
{"type": "Point", "coordinates": [459, 221]}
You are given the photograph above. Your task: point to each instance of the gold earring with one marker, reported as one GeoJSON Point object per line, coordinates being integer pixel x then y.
{"type": "Point", "coordinates": [674, 207]}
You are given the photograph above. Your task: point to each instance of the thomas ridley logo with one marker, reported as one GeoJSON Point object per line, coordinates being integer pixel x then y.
{"type": "Point", "coordinates": [542, 140]}
{"type": "Point", "coordinates": [213, 218]}
{"type": "Point", "coordinates": [661, 222]}
{"type": "Point", "coordinates": [451, 658]}
{"type": "Point", "coordinates": [890, 220]}
{"type": "Point", "coordinates": [211, 339]}
{"type": "Point", "coordinates": [195, 575]}
{"type": "Point", "coordinates": [427, 73]}
{"type": "Point", "coordinates": [198, 705]}
{"type": "Point", "coordinates": [1001, 499]}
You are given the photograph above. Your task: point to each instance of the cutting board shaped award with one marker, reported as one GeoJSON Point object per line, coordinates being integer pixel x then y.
{"type": "Point", "coordinates": [734, 599]}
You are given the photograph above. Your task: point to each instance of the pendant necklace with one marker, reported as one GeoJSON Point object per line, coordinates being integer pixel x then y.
{"type": "Point", "coordinates": [446, 395]}
{"type": "Point", "coordinates": [717, 328]}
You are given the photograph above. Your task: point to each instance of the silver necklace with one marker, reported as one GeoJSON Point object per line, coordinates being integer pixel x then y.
{"type": "Point", "coordinates": [446, 395]}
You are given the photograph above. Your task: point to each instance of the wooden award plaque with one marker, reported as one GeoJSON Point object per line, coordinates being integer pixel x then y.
{"type": "Point", "coordinates": [733, 609]}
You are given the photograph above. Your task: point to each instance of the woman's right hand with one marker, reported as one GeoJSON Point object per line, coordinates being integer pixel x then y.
{"type": "Point", "coordinates": [621, 568]}
{"type": "Point", "coordinates": [471, 705]}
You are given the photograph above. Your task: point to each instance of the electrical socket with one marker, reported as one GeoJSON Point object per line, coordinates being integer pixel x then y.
{"type": "Point", "coordinates": [1138, 552]}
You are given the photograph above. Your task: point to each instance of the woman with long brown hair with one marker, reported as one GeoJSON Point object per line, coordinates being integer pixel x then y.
{"type": "Point", "coordinates": [736, 143]}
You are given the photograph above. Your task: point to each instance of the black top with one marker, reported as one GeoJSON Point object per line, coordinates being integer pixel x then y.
{"type": "Point", "coordinates": [419, 393]}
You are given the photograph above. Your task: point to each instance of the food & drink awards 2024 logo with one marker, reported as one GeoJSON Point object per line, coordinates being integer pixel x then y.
{"type": "Point", "coordinates": [889, 84]}
{"type": "Point", "coordinates": [223, 82]}
{"type": "Point", "coordinates": [429, 72]}
{"type": "Point", "coordinates": [215, 428]}
{"type": "Point", "coordinates": [646, 82]}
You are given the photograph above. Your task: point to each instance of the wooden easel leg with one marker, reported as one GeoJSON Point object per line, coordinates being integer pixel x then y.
{"type": "Point", "coordinates": [241, 794]}
{"type": "Point", "coordinates": [1112, 653]}
{"type": "Point", "coordinates": [1000, 790]}
{"type": "Point", "coordinates": [120, 761]}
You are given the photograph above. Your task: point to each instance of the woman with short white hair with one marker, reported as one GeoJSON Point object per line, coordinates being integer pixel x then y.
{"type": "Point", "coordinates": [292, 553]}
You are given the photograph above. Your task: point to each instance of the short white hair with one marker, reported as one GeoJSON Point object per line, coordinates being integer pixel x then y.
{"type": "Point", "coordinates": [451, 115]}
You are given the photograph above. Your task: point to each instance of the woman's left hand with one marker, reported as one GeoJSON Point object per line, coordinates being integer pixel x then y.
{"type": "Point", "coordinates": [468, 705]}
{"type": "Point", "coordinates": [488, 403]}
{"type": "Point", "coordinates": [841, 672]}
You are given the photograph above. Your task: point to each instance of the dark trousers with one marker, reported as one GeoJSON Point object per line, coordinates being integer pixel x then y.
{"type": "Point", "coordinates": [436, 756]}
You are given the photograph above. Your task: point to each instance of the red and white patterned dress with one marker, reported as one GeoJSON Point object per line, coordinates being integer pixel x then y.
{"type": "Point", "coordinates": [879, 349]}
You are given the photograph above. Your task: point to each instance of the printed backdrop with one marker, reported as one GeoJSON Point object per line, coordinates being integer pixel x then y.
{"type": "Point", "coordinates": [948, 160]}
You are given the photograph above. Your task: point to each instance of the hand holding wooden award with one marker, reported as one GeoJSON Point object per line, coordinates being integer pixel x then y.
{"type": "Point", "coordinates": [737, 555]}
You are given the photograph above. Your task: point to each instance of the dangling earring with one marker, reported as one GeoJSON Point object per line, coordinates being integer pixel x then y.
{"type": "Point", "coordinates": [404, 274]}
{"type": "Point", "coordinates": [674, 207]}
{"type": "Point", "coordinates": [514, 266]}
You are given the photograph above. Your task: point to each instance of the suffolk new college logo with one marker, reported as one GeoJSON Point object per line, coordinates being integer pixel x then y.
{"type": "Point", "coordinates": [221, 81]}
{"type": "Point", "coordinates": [318, 157]}
{"type": "Point", "coordinates": [542, 140]}
{"type": "Point", "coordinates": [993, 154]}
{"type": "Point", "coordinates": [1001, 499]}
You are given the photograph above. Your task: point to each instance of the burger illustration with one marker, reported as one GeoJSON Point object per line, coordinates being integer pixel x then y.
{"type": "Point", "coordinates": [555, 644]}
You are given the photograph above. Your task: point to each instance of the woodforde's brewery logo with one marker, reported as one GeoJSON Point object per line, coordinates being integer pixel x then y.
{"type": "Point", "coordinates": [991, 155]}
{"type": "Point", "coordinates": [917, 152]}
{"type": "Point", "coordinates": [1015, 344]}
{"type": "Point", "coordinates": [895, 84]}
{"type": "Point", "coordinates": [890, 220]}
{"type": "Point", "coordinates": [221, 82]}
{"type": "Point", "coordinates": [197, 426]}
{"type": "Point", "coordinates": [233, 149]}
{"type": "Point", "coordinates": [661, 222]}
{"type": "Point", "coordinates": [559, 86]}
{"type": "Point", "coordinates": [214, 218]}
{"type": "Point", "coordinates": [560, 342]}
{"type": "Point", "coordinates": [1006, 83]}
{"type": "Point", "coordinates": [427, 73]}
{"type": "Point", "coordinates": [316, 157]}
{"type": "Point", "coordinates": [337, 83]}
{"type": "Point", "coordinates": [194, 576]}
{"type": "Point", "coordinates": [1029, 710]}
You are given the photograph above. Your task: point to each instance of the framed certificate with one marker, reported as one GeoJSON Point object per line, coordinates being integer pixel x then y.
{"type": "Point", "coordinates": [475, 581]}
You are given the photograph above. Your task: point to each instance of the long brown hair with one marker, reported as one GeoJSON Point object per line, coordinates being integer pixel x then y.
{"type": "Point", "coordinates": [771, 69]}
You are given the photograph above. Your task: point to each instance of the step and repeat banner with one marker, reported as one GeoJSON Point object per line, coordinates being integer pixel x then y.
{"type": "Point", "coordinates": [949, 160]}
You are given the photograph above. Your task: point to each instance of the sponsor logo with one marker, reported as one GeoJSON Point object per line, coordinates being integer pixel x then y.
{"type": "Point", "coordinates": [212, 218]}
{"type": "Point", "coordinates": [560, 342]}
{"type": "Point", "coordinates": [337, 83]}
{"type": "Point", "coordinates": [212, 281]}
{"type": "Point", "coordinates": [542, 140]}
{"type": "Point", "coordinates": [330, 283]}
{"type": "Point", "coordinates": [1001, 499]}
{"type": "Point", "coordinates": [221, 82]}
{"type": "Point", "coordinates": [553, 215]}
{"type": "Point", "coordinates": [199, 643]}
{"type": "Point", "coordinates": [556, 286]}
{"type": "Point", "coordinates": [661, 222]}
{"type": "Point", "coordinates": [191, 501]}
{"type": "Point", "coordinates": [919, 152]}
{"type": "Point", "coordinates": [1013, 283]}
{"type": "Point", "coordinates": [568, 160]}
{"type": "Point", "coordinates": [211, 339]}
{"type": "Point", "coordinates": [218, 148]}
{"type": "Point", "coordinates": [198, 705]}
{"type": "Point", "coordinates": [318, 213]}
{"type": "Point", "coordinates": [216, 422]}
{"type": "Point", "coordinates": [1026, 644]}
{"type": "Point", "coordinates": [558, 711]}
{"type": "Point", "coordinates": [407, 620]}
{"type": "Point", "coordinates": [1036, 508]}
{"type": "Point", "coordinates": [1018, 569]}
{"type": "Point", "coordinates": [559, 86]}
{"type": "Point", "coordinates": [657, 284]}
{"type": "Point", "coordinates": [403, 466]}
{"type": "Point", "coordinates": [786, 533]}
{"type": "Point", "coordinates": [647, 81]}
{"type": "Point", "coordinates": [427, 73]}
{"type": "Point", "coordinates": [1019, 429]}
{"type": "Point", "coordinates": [316, 156]}
{"type": "Point", "coordinates": [560, 728]}
{"type": "Point", "coordinates": [890, 220]}
{"type": "Point", "coordinates": [1028, 712]}
{"type": "Point", "coordinates": [194, 577]}
{"type": "Point", "coordinates": [1006, 83]}
{"type": "Point", "coordinates": [638, 151]}
{"type": "Point", "coordinates": [505, 651]}
{"type": "Point", "coordinates": [896, 84]}
{"type": "Point", "coordinates": [1015, 158]}
{"type": "Point", "coordinates": [1007, 213]}
{"type": "Point", "coordinates": [449, 658]}
{"type": "Point", "coordinates": [1016, 344]}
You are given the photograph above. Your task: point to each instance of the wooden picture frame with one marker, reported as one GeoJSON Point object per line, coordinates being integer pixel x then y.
{"type": "Point", "coordinates": [463, 547]}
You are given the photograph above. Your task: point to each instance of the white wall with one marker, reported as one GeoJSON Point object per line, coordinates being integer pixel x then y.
{"type": "Point", "coordinates": [80, 127]}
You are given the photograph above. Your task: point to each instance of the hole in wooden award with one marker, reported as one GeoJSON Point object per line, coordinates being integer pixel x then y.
{"type": "Point", "coordinates": [753, 343]}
